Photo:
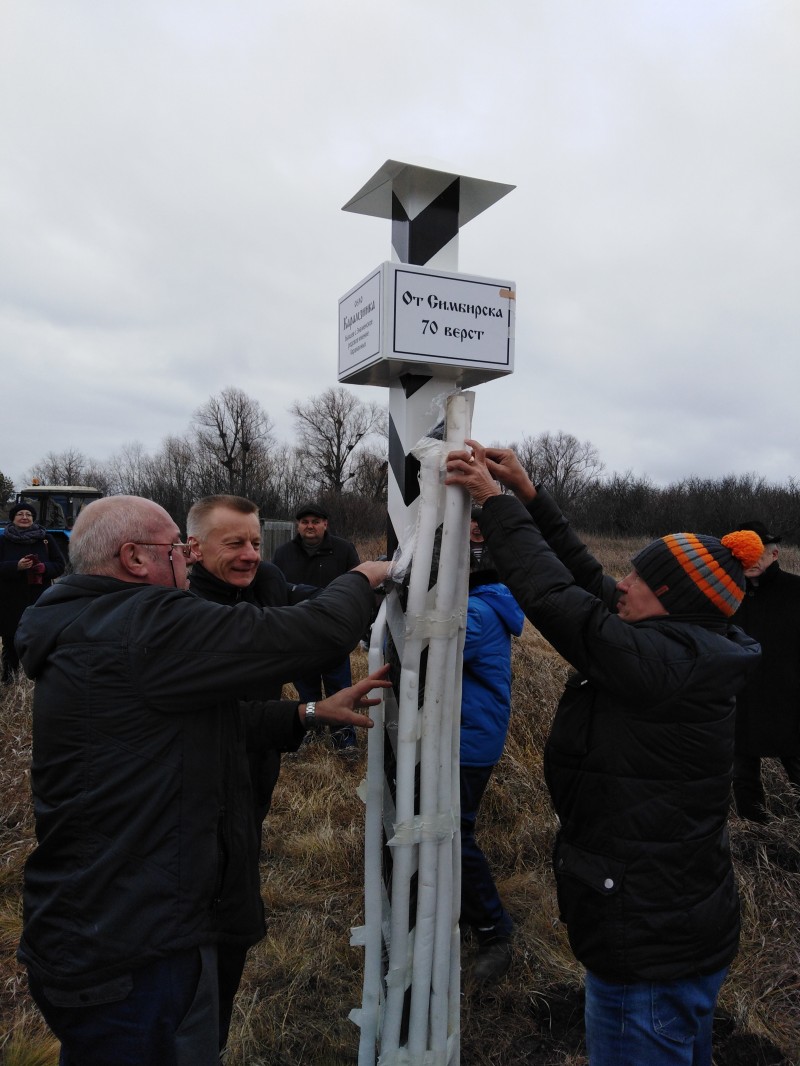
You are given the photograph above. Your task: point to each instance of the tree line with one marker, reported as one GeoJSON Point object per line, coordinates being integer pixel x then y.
{"type": "Point", "coordinates": [340, 458]}
{"type": "Point", "coordinates": [630, 505]}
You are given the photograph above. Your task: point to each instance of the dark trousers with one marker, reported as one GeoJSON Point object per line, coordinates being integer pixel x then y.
{"type": "Point", "coordinates": [748, 790]}
{"type": "Point", "coordinates": [310, 687]}
{"type": "Point", "coordinates": [480, 903]}
{"type": "Point", "coordinates": [230, 967]}
{"type": "Point", "coordinates": [164, 1014]}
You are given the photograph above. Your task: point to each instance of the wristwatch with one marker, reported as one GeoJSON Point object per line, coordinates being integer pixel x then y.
{"type": "Point", "coordinates": [311, 715]}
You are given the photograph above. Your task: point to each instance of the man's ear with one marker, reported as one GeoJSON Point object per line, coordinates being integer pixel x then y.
{"type": "Point", "coordinates": [135, 561]}
{"type": "Point", "coordinates": [196, 547]}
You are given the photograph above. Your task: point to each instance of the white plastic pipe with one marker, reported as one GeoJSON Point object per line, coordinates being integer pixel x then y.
{"type": "Point", "coordinates": [373, 844]}
{"type": "Point", "coordinates": [398, 974]}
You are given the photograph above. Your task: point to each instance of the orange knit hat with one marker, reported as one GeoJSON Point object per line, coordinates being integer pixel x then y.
{"type": "Point", "coordinates": [695, 574]}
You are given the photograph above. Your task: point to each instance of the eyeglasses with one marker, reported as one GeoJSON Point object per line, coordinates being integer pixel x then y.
{"type": "Point", "coordinates": [185, 549]}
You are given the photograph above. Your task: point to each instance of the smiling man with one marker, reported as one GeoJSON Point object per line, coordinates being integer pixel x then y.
{"type": "Point", "coordinates": [638, 761]}
{"type": "Point", "coordinates": [224, 533]}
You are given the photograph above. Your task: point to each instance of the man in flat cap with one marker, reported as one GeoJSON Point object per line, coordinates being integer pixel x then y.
{"type": "Point", "coordinates": [316, 557]}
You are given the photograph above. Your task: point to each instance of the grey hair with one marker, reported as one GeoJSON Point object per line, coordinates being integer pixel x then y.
{"type": "Point", "coordinates": [101, 529]}
{"type": "Point", "coordinates": [199, 512]}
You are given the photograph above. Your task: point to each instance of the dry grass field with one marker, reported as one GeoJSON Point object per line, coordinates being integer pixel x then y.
{"type": "Point", "coordinates": [304, 978]}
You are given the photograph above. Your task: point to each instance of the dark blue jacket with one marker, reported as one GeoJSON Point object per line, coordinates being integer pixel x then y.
{"type": "Point", "coordinates": [492, 616]}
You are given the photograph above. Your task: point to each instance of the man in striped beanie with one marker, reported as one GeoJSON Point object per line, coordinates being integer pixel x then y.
{"type": "Point", "coordinates": [692, 575]}
{"type": "Point", "coordinates": [638, 760]}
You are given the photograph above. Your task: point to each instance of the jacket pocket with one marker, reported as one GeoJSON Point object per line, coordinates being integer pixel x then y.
{"type": "Point", "coordinates": [592, 906]}
{"type": "Point", "coordinates": [571, 732]}
{"type": "Point", "coordinates": [602, 874]}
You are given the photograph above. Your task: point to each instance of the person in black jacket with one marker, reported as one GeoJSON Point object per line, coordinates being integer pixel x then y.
{"type": "Point", "coordinates": [142, 794]}
{"type": "Point", "coordinates": [29, 562]}
{"type": "Point", "coordinates": [224, 533]}
{"type": "Point", "coordinates": [315, 557]}
{"type": "Point", "coordinates": [768, 707]}
{"type": "Point", "coordinates": [638, 761]}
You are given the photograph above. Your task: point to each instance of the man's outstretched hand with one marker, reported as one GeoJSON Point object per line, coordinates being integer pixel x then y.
{"type": "Point", "coordinates": [343, 707]}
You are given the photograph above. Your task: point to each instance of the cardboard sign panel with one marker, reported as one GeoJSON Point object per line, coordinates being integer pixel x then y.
{"type": "Point", "coordinates": [406, 318]}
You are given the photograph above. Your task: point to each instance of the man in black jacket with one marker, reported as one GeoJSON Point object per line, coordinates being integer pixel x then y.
{"type": "Point", "coordinates": [224, 533]}
{"type": "Point", "coordinates": [638, 759]}
{"type": "Point", "coordinates": [768, 707]}
{"type": "Point", "coordinates": [315, 557]}
{"type": "Point", "coordinates": [141, 788]}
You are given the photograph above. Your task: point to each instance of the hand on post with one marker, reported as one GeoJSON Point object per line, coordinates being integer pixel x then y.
{"type": "Point", "coordinates": [470, 470]}
{"type": "Point", "coordinates": [375, 572]}
{"type": "Point", "coordinates": [342, 708]}
{"type": "Point", "coordinates": [503, 464]}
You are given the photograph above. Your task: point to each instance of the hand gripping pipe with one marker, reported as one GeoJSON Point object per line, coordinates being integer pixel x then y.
{"type": "Point", "coordinates": [422, 979]}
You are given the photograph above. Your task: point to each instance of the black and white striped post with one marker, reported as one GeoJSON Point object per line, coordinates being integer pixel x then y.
{"type": "Point", "coordinates": [424, 331]}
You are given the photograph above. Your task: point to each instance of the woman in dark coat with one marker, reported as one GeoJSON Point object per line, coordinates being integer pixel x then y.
{"type": "Point", "coordinates": [29, 561]}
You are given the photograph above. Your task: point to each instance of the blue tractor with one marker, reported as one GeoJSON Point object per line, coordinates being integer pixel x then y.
{"type": "Point", "coordinates": [57, 507]}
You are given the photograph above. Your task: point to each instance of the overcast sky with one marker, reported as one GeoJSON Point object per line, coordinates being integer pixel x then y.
{"type": "Point", "coordinates": [172, 175]}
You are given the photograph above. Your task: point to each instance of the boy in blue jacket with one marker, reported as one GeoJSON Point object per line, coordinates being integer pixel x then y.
{"type": "Point", "coordinates": [493, 615]}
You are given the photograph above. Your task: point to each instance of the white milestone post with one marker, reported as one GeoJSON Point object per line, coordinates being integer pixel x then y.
{"type": "Point", "coordinates": [423, 330]}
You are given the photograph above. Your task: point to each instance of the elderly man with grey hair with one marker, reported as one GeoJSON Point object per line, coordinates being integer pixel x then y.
{"type": "Point", "coordinates": [140, 783]}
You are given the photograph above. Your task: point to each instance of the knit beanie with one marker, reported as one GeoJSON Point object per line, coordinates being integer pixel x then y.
{"type": "Point", "coordinates": [22, 506]}
{"type": "Point", "coordinates": [695, 574]}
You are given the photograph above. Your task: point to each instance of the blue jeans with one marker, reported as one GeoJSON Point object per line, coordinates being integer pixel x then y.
{"type": "Point", "coordinates": [164, 1014]}
{"type": "Point", "coordinates": [480, 903]}
{"type": "Point", "coordinates": [651, 1023]}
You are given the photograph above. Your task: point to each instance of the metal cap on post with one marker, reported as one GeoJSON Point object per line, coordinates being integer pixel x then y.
{"type": "Point", "coordinates": [427, 208]}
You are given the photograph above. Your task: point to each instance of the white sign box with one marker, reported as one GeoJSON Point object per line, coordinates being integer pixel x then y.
{"type": "Point", "coordinates": [404, 318]}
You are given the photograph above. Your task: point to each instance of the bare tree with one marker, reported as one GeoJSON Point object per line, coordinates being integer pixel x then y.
{"type": "Point", "coordinates": [235, 431]}
{"type": "Point", "coordinates": [127, 470]}
{"type": "Point", "coordinates": [331, 427]}
{"type": "Point", "coordinates": [170, 478]}
{"type": "Point", "coordinates": [371, 474]}
{"type": "Point", "coordinates": [62, 468]}
{"type": "Point", "coordinates": [286, 484]}
{"type": "Point", "coordinates": [565, 465]}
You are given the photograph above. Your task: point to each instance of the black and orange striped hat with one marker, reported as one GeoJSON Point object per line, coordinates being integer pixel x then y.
{"type": "Point", "coordinates": [695, 574]}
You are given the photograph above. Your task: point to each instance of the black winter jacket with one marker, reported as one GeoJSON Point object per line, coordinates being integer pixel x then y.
{"type": "Point", "coordinates": [768, 707]}
{"type": "Point", "coordinates": [269, 588]}
{"type": "Point", "coordinates": [335, 556]}
{"type": "Point", "coordinates": [16, 590]}
{"type": "Point", "coordinates": [638, 760]}
{"type": "Point", "coordinates": [141, 793]}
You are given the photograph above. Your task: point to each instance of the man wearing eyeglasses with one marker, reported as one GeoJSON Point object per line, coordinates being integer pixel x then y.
{"type": "Point", "coordinates": [139, 779]}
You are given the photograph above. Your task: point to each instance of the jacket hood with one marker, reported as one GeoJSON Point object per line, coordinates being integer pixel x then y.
{"type": "Point", "coordinates": [499, 598]}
